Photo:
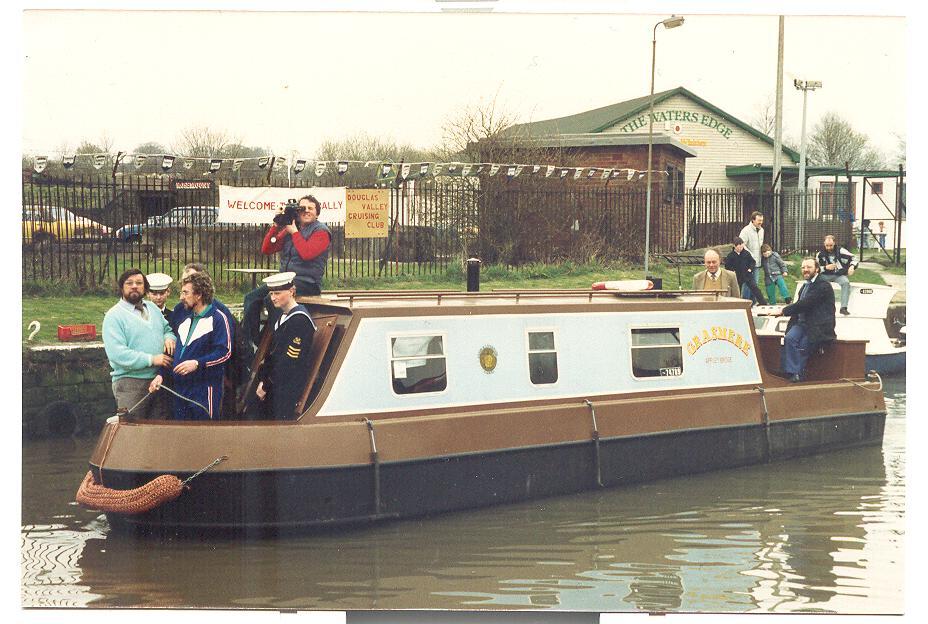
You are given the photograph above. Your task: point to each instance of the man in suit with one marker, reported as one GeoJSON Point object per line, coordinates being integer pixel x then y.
{"type": "Point", "coordinates": [715, 277]}
{"type": "Point", "coordinates": [811, 322]}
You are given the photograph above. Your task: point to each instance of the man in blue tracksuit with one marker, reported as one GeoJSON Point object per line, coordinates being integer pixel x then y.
{"type": "Point", "coordinates": [204, 346]}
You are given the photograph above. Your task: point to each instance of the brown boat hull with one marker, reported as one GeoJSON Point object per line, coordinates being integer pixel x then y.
{"type": "Point", "coordinates": [326, 496]}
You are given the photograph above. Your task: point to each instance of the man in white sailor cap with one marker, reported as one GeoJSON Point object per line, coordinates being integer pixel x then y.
{"type": "Point", "coordinates": [285, 372]}
{"type": "Point", "coordinates": [159, 289]}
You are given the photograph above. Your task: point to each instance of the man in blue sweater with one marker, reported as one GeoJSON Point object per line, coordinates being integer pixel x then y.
{"type": "Point", "coordinates": [137, 341]}
{"type": "Point", "coordinates": [204, 347]}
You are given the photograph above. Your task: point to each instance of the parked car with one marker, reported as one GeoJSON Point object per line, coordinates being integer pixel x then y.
{"type": "Point", "coordinates": [182, 216]}
{"type": "Point", "coordinates": [43, 224]}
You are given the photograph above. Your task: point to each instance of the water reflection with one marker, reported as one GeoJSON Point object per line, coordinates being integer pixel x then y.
{"type": "Point", "coordinates": [822, 533]}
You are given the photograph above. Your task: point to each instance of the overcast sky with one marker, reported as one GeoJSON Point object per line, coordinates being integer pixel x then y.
{"type": "Point", "coordinates": [288, 81]}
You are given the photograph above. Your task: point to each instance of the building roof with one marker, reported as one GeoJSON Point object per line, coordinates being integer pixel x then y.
{"type": "Point", "coordinates": [599, 119]}
{"type": "Point", "coordinates": [602, 139]}
{"type": "Point", "coordinates": [741, 171]}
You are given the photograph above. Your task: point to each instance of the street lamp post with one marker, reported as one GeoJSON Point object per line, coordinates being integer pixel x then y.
{"type": "Point", "coordinates": [805, 86]}
{"type": "Point", "coordinates": [671, 22]}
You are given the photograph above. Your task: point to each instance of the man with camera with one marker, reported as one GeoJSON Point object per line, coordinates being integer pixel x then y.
{"type": "Point", "coordinates": [303, 243]}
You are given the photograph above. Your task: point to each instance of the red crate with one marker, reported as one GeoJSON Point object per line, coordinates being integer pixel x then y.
{"type": "Point", "coordinates": [77, 332]}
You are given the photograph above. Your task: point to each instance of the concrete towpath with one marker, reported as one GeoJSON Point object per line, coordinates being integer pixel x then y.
{"type": "Point", "coordinates": [891, 279]}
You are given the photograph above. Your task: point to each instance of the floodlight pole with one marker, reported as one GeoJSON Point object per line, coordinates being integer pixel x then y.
{"type": "Point", "coordinates": [671, 22]}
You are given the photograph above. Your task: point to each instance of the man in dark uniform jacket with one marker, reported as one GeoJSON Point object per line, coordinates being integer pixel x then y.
{"type": "Point", "coordinates": [286, 368]}
{"type": "Point", "coordinates": [811, 322]}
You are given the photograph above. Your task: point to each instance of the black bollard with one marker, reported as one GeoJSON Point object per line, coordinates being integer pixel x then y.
{"type": "Point", "coordinates": [658, 283]}
{"type": "Point", "coordinates": [473, 275]}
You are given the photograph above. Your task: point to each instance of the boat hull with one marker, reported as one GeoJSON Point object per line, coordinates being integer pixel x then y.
{"type": "Point", "coordinates": [320, 497]}
{"type": "Point", "coordinates": [887, 363]}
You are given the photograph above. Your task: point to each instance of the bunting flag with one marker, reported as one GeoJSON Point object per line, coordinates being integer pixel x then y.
{"type": "Point", "coordinates": [188, 163]}
{"type": "Point", "coordinates": [385, 169]}
{"type": "Point", "coordinates": [167, 162]}
{"type": "Point", "coordinates": [578, 172]}
{"type": "Point", "coordinates": [549, 170]}
{"type": "Point", "coordinates": [564, 173]}
{"type": "Point", "coordinates": [342, 167]}
{"type": "Point", "coordinates": [480, 169]}
{"type": "Point", "coordinates": [68, 161]}
{"type": "Point", "coordinates": [404, 170]}
{"type": "Point", "coordinates": [237, 164]}
{"type": "Point", "coordinates": [606, 174]}
{"type": "Point", "coordinates": [99, 160]}
{"type": "Point", "coordinates": [262, 162]}
{"type": "Point", "coordinates": [320, 168]}
{"type": "Point", "coordinates": [40, 163]}
{"type": "Point", "coordinates": [140, 160]}
{"type": "Point", "coordinates": [436, 169]}
{"type": "Point", "coordinates": [215, 164]}
{"type": "Point", "coordinates": [452, 168]}
{"type": "Point", "coordinates": [494, 169]}
{"type": "Point", "coordinates": [591, 173]}
{"type": "Point", "coordinates": [423, 169]}
{"type": "Point", "coordinates": [299, 165]}
{"type": "Point", "coordinates": [280, 162]}
{"type": "Point", "coordinates": [465, 170]}
{"type": "Point", "coordinates": [536, 169]}
{"type": "Point", "coordinates": [631, 174]}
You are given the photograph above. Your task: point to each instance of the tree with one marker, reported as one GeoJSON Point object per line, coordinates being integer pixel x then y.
{"type": "Point", "coordinates": [834, 142]}
{"type": "Point", "coordinates": [202, 141]}
{"type": "Point", "coordinates": [900, 149]}
{"type": "Point", "coordinates": [150, 147]}
{"type": "Point", "coordinates": [765, 116]}
{"type": "Point", "coordinates": [483, 122]}
{"type": "Point", "coordinates": [364, 147]}
{"type": "Point", "coordinates": [237, 150]}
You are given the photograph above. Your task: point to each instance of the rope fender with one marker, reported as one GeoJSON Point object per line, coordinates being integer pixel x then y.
{"type": "Point", "coordinates": [158, 491]}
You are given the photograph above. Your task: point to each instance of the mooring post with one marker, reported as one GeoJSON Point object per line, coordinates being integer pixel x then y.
{"type": "Point", "coordinates": [473, 275]}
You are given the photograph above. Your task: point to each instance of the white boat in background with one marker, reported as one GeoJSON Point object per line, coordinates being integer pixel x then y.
{"type": "Point", "coordinates": [868, 307]}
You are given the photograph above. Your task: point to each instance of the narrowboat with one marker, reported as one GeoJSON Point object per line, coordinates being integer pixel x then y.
{"type": "Point", "coordinates": [420, 403]}
{"type": "Point", "coordinates": [868, 306]}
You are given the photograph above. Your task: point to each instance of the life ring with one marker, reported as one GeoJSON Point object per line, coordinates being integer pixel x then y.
{"type": "Point", "coordinates": [158, 491]}
{"type": "Point", "coordinates": [624, 285]}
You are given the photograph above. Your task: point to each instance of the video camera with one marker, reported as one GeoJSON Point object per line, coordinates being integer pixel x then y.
{"type": "Point", "coordinates": [289, 215]}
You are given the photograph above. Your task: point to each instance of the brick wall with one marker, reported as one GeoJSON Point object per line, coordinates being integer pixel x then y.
{"type": "Point", "coordinates": [66, 390]}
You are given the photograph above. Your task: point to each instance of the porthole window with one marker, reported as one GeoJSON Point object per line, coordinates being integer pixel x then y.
{"type": "Point", "coordinates": [542, 357]}
{"type": "Point", "coordinates": [417, 364]}
{"type": "Point", "coordinates": [656, 352]}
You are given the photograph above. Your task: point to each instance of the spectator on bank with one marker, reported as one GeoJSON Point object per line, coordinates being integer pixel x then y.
{"type": "Point", "coordinates": [715, 277]}
{"type": "Point", "coordinates": [741, 262]}
{"type": "Point", "coordinates": [774, 272]}
{"type": "Point", "coordinates": [137, 341]}
{"type": "Point", "coordinates": [753, 236]}
{"type": "Point", "coordinates": [837, 264]}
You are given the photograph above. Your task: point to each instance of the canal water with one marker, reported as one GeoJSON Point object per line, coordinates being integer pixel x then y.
{"type": "Point", "coordinates": [817, 534]}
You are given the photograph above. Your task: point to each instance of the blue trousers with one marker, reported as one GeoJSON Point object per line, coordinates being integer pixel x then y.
{"type": "Point", "coordinates": [207, 394]}
{"type": "Point", "coordinates": [795, 353]}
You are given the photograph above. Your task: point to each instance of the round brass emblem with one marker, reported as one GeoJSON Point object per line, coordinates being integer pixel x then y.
{"type": "Point", "coordinates": [488, 359]}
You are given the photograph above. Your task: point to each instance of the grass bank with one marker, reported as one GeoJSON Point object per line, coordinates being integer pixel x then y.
{"type": "Point", "coordinates": [41, 303]}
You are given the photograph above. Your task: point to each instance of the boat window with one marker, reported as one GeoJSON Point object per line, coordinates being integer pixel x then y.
{"type": "Point", "coordinates": [656, 352]}
{"type": "Point", "coordinates": [542, 357]}
{"type": "Point", "coordinates": [418, 364]}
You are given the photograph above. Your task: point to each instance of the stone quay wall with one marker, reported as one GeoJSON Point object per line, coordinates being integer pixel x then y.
{"type": "Point", "coordinates": [66, 390]}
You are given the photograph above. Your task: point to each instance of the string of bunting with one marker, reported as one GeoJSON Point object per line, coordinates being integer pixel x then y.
{"type": "Point", "coordinates": [384, 168]}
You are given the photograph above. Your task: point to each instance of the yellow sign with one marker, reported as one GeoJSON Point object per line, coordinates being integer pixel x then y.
{"type": "Point", "coordinates": [718, 333]}
{"type": "Point", "coordinates": [367, 213]}
{"type": "Point", "coordinates": [488, 358]}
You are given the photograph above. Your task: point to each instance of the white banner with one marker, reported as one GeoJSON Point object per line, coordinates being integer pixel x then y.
{"type": "Point", "coordinates": [259, 204]}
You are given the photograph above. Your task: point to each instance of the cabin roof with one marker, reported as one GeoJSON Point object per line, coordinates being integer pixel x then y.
{"type": "Point", "coordinates": [378, 303]}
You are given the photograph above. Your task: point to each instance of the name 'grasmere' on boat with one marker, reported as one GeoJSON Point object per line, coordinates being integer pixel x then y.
{"type": "Point", "coordinates": [427, 402]}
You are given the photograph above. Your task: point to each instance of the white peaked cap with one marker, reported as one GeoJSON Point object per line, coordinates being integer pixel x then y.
{"type": "Point", "coordinates": [280, 281]}
{"type": "Point", "coordinates": [158, 281]}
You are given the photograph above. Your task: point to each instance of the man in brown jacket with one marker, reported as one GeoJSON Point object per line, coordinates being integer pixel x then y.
{"type": "Point", "coordinates": [715, 277]}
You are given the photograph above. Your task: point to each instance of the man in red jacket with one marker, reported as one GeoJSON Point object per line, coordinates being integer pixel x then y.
{"type": "Point", "coordinates": [303, 245]}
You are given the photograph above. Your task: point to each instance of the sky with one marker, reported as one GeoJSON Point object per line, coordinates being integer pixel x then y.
{"type": "Point", "coordinates": [287, 81]}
